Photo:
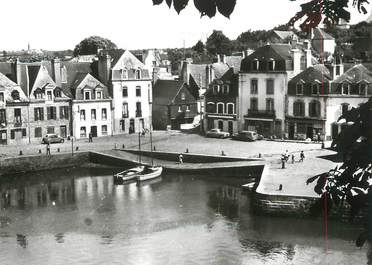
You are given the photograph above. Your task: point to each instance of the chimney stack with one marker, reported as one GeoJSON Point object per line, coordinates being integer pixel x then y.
{"type": "Point", "coordinates": [104, 67]}
{"type": "Point", "coordinates": [56, 71]}
{"type": "Point", "coordinates": [296, 54]}
{"type": "Point", "coordinates": [308, 54]}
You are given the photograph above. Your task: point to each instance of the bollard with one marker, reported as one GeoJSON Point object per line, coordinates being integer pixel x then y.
{"type": "Point", "coordinates": [283, 163]}
{"type": "Point", "coordinates": [280, 187]}
{"type": "Point", "coordinates": [154, 148]}
{"type": "Point", "coordinates": [115, 146]}
{"type": "Point", "coordinates": [187, 150]}
{"type": "Point", "coordinates": [123, 146]}
{"type": "Point", "coordinates": [259, 155]}
{"type": "Point", "coordinates": [323, 146]}
{"type": "Point", "coordinates": [223, 153]}
{"type": "Point", "coordinates": [39, 151]}
{"type": "Point", "coordinates": [77, 148]}
{"type": "Point", "coordinates": [20, 153]}
{"type": "Point", "coordinates": [58, 150]}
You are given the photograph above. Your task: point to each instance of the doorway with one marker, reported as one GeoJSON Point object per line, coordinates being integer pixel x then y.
{"type": "Point", "coordinates": [220, 125]}
{"type": "Point", "coordinates": [231, 127]}
{"type": "Point", "coordinates": [291, 131]}
{"type": "Point", "coordinates": [309, 132]}
{"type": "Point", "coordinates": [63, 131]}
{"type": "Point", "coordinates": [93, 130]}
{"type": "Point", "coordinates": [131, 126]}
{"type": "Point", "coordinates": [3, 137]}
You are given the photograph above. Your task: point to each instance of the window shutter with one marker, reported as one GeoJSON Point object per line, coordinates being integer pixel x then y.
{"type": "Point", "coordinates": [48, 113]}
{"type": "Point", "coordinates": [12, 134]}
{"type": "Point", "coordinates": [24, 132]}
{"type": "Point", "coordinates": [35, 113]}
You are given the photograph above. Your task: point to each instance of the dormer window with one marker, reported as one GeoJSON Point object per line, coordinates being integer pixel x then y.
{"type": "Point", "coordinates": [215, 89]}
{"type": "Point", "coordinates": [315, 89]}
{"type": "Point", "coordinates": [49, 95]}
{"type": "Point", "coordinates": [38, 93]}
{"type": "Point", "coordinates": [362, 89]}
{"type": "Point", "coordinates": [87, 95]}
{"type": "Point", "coordinates": [226, 89]}
{"type": "Point", "coordinates": [179, 109]}
{"type": "Point", "coordinates": [255, 64]}
{"type": "Point", "coordinates": [271, 64]}
{"type": "Point", "coordinates": [2, 97]}
{"type": "Point", "coordinates": [125, 74]}
{"type": "Point", "coordinates": [345, 89]}
{"type": "Point", "coordinates": [138, 74]}
{"type": "Point", "coordinates": [57, 93]}
{"type": "Point", "coordinates": [183, 96]}
{"type": "Point", "coordinates": [15, 95]}
{"type": "Point", "coordinates": [299, 89]}
{"type": "Point", "coordinates": [187, 108]}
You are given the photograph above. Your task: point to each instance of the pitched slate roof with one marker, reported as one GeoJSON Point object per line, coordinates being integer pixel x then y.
{"type": "Point", "coordinates": [86, 80]}
{"type": "Point", "coordinates": [72, 70]}
{"type": "Point", "coordinates": [285, 34]}
{"type": "Point", "coordinates": [320, 34]}
{"type": "Point", "coordinates": [7, 86]}
{"type": "Point", "coordinates": [115, 55]}
{"type": "Point", "coordinates": [5, 81]}
{"type": "Point", "coordinates": [234, 61]}
{"type": "Point", "coordinates": [355, 74]}
{"type": "Point", "coordinates": [317, 72]}
{"type": "Point", "coordinates": [164, 91]}
{"type": "Point", "coordinates": [6, 68]}
{"type": "Point", "coordinates": [275, 51]}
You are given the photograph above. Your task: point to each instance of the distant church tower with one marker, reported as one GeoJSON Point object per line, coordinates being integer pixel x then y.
{"type": "Point", "coordinates": [28, 47]}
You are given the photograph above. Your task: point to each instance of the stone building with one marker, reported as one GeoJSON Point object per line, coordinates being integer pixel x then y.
{"type": "Point", "coordinates": [130, 87]}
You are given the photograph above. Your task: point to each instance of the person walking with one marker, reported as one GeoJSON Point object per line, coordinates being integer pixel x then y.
{"type": "Point", "coordinates": [302, 156]}
{"type": "Point", "coordinates": [293, 158]}
{"type": "Point", "coordinates": [286, 155]}
{"type": "Point", "coordinates": [180, 158]}
{"type": "Point", "coordinates": [90, 137]}
{"type": "Point", "coordinates": [48, 149]}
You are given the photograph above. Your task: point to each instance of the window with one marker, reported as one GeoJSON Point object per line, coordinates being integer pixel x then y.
{"type": "Point", "coordinates": [83, 132]}
{"type": "Point", "coordinates": [338, 70]}
{"type": "Point", "coordinates": [220, 108]}
{"type": "Point", "coordinates": [38, 132]}
{"type": "Point", "coordinates": [104, 129]}
{"type": "Point", "coordinates": [39, 114]}
{"type": "Point", "coordinates": [344, 108]}
{"type": "Point", "coordinates": [15, 95]}
{"type": "Point", "coordinates": [125, 74]}
{"type": "Point", "coordinates": [300, 89]}
{"type": "Point", "coordinates": [255, 64]}
{"type": "Point", "coordinates": [17, 116]}
{"type": "Point", "coordinates": [138, 91]}
{"type": "Point", "coordinates": [104, 114]}
{"type": "Point", "coordinates": [138, 74]}
{"type": "Point", "coordinates": [211, 107]}
{"type": "Point", "coordinates": [51, 113]}
{"type": "Point", "coordinates": [315, 89]}
{"type": "Point", "coordinates": [269, 105]}
{"type": "Point", "coordinates": [99, 95]}
{"type": "Point", "coordinates": [230, 108]}
{"type": "Point", "coordinates": [314, 108]}
{"type": "Point", "coordinates": [138, 109]}
{"type": "Point", "coordinates": [225, 89]}
{"type": "Point", "coordinates": [215, 89]}
{"type": "Point", "coordinates": [183, 96]}
{"type": "Point", "coordinates": [93, 114]}
{"type": "Point", "coordinates": [57, 92]}
{"type": "Point", "coordinates": [298, 108]}
{"type": "Point", "coordinates": [87, 95]}
{"type": "Point", "coordinates": [122, 125]}
{"type": "Point", "coordinates": [2, 117]}
{"type": "Point", "coordinates": [38, 93]}
{"type": "Point", "coordinates": [362, 89]}
{"type": "Point", "coordinates": [187, 108]}
{"type": "Point", "coordinates": [82, 115]}
{"type": "Point", "coordinates": [179, 109]}
{"type": "Point", "coordinates": [49, 95]}
{"type": "Point", "coordinates": [63, 112]}
{"type": "Point", "coordinates": [254, 86]}
{"type": "Point", "coordinates": [254, 104]}
{"type": "Point", "coordinates": [271, 65]}
{"type": "Point", "coordinates": [50, 129]}
{"type": "Point", "coordinates": [345, 89]}
{"type": "Point", "coordinates": [2, 97]}
{"type": "Point", "coordinates": [125, 113]}
{"type": "Point", "coordinates": [269, 86]}
{"type": "Point", "coordinates": [125, 91]}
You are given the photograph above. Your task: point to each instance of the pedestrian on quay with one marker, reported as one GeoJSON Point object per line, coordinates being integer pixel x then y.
{"type": "Point", "coordinates": [180, 158]}
{"type": "Point", "coordinates": [302, 156]}
{"type": "Point", "coordinates": [48, 149]}
{"type": "Point", "coordinates": [90, 137]}
{"type": "Point", "coordinates": [286, 155]}
{"type": "Point", "coordinates": [293, 158]}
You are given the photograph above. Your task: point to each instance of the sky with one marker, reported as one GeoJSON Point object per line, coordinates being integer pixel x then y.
{"type": "Point", "coordinates": [131, 24]}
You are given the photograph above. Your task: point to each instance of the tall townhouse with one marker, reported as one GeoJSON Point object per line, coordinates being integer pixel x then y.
{"type": "Point", "coordinates": [129, 83]}
{"type": "Point", "coordinates": [350, 89]}
{"type": "Point", "coordinates": [14, 113]}
{"type": "Point", "coordinates": [49, 107]}
{"type": "Point", "coordinates": [263, 81]}
{"type": "Point", "coordinates": [221, 101]}
{"type": "Point", "coordinates": [91, 107]}
{"type": "Point", "coordinates": [307, 103]}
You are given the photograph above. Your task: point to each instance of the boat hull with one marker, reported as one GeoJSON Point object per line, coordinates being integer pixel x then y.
{"type": "Point", "coordinates": [151, 175]}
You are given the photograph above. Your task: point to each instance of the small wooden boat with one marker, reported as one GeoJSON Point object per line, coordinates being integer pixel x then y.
{"type": "Point", "coordinates": [150, 173]}
{"type": "Point", "coordinates": [129, 174]}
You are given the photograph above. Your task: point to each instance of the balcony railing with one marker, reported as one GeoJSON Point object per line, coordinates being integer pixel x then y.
{"type": "Point", "coordinates": [125, 115]}
{"type": "Point", "coordinates": [253, 113]}
{"type": "Point", "coordinates": [18, 123]}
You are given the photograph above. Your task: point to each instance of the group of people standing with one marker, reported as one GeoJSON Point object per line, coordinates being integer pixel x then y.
{"type": "Point", "coordinates": [286, 157]}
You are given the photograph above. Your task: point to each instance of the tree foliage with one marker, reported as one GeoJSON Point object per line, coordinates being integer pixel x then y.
{"type": "Point", "coordinates": [218, 43]}
{"type": "Point", "coordinates": [352, 181]}
{"type": "Point", "coordinates": [91, 45]}
{"type": "Point", "coordinates": [312, 13]}
{"type": "Point", "coordinates": [199, 47]}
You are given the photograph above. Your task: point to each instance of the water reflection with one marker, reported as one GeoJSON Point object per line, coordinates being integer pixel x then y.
{"type": "Point", "coordinates": [225, 201]}
{"type": "Point", "coordinates": [22, 240]}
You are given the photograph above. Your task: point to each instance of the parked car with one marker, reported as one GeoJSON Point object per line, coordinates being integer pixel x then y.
{"type": "Point", "coordinates": [247, 136]}
{"type": "Point", "coordinates": [52, 138]}
{"type": "Point", "coordinates": [217, 133]}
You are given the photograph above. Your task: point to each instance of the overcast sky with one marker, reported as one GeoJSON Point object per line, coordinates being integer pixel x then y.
{"type": "Point", "coordinates": [131, 24]}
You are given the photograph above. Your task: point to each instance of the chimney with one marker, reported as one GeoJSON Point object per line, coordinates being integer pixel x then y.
{"type": "Point", "coordinates": [337, 67]}
{"type": "Point", "coordinates": [210, 74]}
{"type": "Point", "coordinates": [296, 55]}
{"type": "Point", "coordinates": [56, 71]}
{"type": "Point", "coordinates": [308, 53]}
{"type": "Point", "coordinates": [104, 67]}
{"type": "Point", "coordinates": [185, 71]}
{"type": "Point", "coordinates": [16, 72]}
{"type": "Point", "coordinates": [218, 58]}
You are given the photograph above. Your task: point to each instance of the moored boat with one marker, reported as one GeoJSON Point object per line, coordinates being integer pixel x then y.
{"type": "Point", "coordinates": [150, 173]}
{"type": "Point", "coordinates": [129, 174]}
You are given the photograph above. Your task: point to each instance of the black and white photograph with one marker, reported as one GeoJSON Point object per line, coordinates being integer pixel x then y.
{"type": "Point", "coordinates": [186, 132]}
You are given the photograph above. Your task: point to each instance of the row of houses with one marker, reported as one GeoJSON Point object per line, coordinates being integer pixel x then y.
{"type": "Point", "coordinates": [111, 95]}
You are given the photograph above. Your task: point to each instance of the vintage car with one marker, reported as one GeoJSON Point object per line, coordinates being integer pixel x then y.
{"type": "Point", "coordinates": [52, 138]}
{"type": "Point", "coordinates": [249, 136]}
{"type": "Point", "coordinates": [217, 133]}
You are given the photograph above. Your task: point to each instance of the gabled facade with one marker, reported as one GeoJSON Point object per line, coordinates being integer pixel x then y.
{"type": "Point", "coordinates": [91, 107]}
{"type": "Point", "coordinates": [130, 87]}
{"type": "Point", "coordinates": [173, 104]}
{"type": "Point", "coordinates": [263, 81]}
{"type": "Point", "coordinates": [13, 113]}
{"type": "Point", "coordinates": [221, 101]}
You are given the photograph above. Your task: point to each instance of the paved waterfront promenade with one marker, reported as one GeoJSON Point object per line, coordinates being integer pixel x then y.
{"type": "Point", "coordinates": [293, 178]}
